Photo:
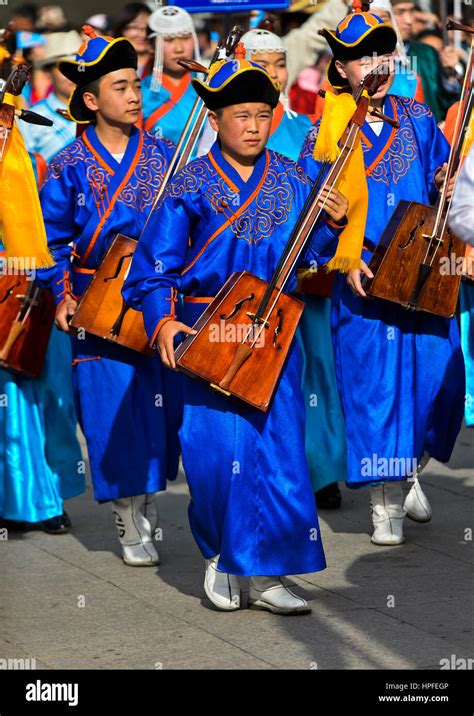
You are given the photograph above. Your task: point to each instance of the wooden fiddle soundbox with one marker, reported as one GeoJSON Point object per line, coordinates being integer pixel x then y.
{"type": "Point", "coordinates": [414, 264]}
{"type": "Point", "coordinates": [26, 320]}
{"type": "Point", "coordinates": [229, 332]}
{"type": "Point", "coordinates": [102, 312]}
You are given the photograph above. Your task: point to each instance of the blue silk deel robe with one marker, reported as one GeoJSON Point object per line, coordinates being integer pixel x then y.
{"type": "Point", "coordinates": [400, 373]}
{"type": "Point", "coordinates": [127, 408]}
{"type": "Point", "coordinates": [251, 497]}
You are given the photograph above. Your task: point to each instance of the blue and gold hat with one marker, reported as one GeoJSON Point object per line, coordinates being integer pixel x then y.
{"type": "Point", "coordinates": [95, 58]}
{"type": "Point", "coordinates": [359, 34]}
{"type": "Point", "coordinates": [237, 82]}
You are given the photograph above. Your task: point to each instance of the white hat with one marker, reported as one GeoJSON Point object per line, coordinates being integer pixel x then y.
{"type": "Point", "coordinates": [171, 21]}
{"type": "Point", "coordinates": [261, 41]}
{"type": "Point", "coordinates": [98, 22]}
{"type": "Point", "coordinates": [60, 46]}
{"type": "Point", "coordinates": [168, 22]}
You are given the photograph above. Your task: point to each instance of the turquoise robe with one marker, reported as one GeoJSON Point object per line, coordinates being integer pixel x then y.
{"type": "Point", "coordinates": [166, 112]}
{"type": "Point", "coordinates": [40, 456]}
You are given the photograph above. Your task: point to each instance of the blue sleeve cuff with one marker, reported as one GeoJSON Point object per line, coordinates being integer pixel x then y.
{"type": "Point", "coordinates": [158, 307]}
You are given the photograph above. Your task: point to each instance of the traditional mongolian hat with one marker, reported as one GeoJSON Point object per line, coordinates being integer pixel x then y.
{"type": "Point", "coordinates": [360, 34]}
{"type": "Point", "coordinates": [237, 82]}
{"type": "Point", "coordinates": [95, 58]}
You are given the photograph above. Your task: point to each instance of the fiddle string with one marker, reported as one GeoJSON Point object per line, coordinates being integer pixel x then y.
{"type": "Point", "coordinates": [303, 213]}
{"type": "Point", "coordinates": [173, 165]}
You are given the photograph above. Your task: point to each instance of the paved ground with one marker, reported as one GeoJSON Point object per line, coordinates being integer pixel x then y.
{"type": "Point", "coordinates": [69, 602]}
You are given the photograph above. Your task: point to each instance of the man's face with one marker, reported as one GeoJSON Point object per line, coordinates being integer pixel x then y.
{"type": "Point", "coordinates": [174, 49]}
{"type": "Point", "coordinates": [243, 128]}
{"type": "Point", "coordinates": [120, 97]}
{"type": "Point", "coordinates": [355, 71]}
{"type": "Point", "coordinates": [403, 13]}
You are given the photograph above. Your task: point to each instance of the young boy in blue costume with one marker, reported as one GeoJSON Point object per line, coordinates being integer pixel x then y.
{"type": "Point", "coordinates": [400, 374]}
{"type": "Point", "coordinates": [252, 509]}
{"type": "Point", "coordinates": [103, 184]}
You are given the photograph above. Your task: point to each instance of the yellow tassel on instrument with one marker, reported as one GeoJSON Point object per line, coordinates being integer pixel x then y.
{"type": "Point", "coordinates": [24, 235]}
{"type": "Point", "coordinates": [353, 184]}
{"type": "Point", "coordinates": [338, 110]}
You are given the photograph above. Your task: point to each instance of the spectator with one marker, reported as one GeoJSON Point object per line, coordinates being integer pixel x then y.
{"type": "Point", "coordinates": [304, 44]}
{"type": "Point", "coordinates": [132, 23]}
{"type": "Point", "coordinates": [451, 61]}
{"type": "Point", "coordinates": [51, 18]}
{"type": "Point", "coordinates": [428, 64]}
{"type": "Point", "coordinates": [48, 141]}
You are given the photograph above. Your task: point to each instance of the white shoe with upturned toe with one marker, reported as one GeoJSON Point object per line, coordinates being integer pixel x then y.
{"type": "Point", "coordinates": [135, 532]}
{"type": "Point", "coordinates": [273, 595]}
{"type": "Point", "coordinates": [387, 514]}
{"type": "Point", "coordinates": [222, 589]}
{"type": "Point", "coordinates": [417, 505]}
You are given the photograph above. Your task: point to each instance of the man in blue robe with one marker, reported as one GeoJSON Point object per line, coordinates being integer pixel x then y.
{"type": "Point", "coordinates": [400, 374]}
{"type": "Point", "coordinates": [252, 509]}
{"type": "Point", "coordinates": [103, 184]}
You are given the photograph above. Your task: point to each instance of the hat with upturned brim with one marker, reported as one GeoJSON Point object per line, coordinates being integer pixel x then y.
{"type": "Point", "coordinates": [95, 58]}
{"type": "Point", "coordinates": [59, 46]}
{"type": "Point", "coordinates": [360, 34]}
{"type": "Point", "coordinates": [237, 82]}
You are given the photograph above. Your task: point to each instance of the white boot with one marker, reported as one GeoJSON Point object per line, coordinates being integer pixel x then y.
{"type": "Point", "coordinates": [134, 532]}
{"type": "Point", "coordinates": [416, 503]}
{"type": "Point", "coordinates": [273, 595]}
{"type": "Point", "coordinates": [222, 589]}
{"type": "Point", "coordinates": [387, 513]}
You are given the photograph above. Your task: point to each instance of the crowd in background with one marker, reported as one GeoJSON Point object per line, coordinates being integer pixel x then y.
{"type": "Point", "coordinates": [437, 57]}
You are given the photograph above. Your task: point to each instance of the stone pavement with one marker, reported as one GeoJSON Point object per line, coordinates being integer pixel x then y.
{"type": "Point", "coordinates": [69, 602]}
